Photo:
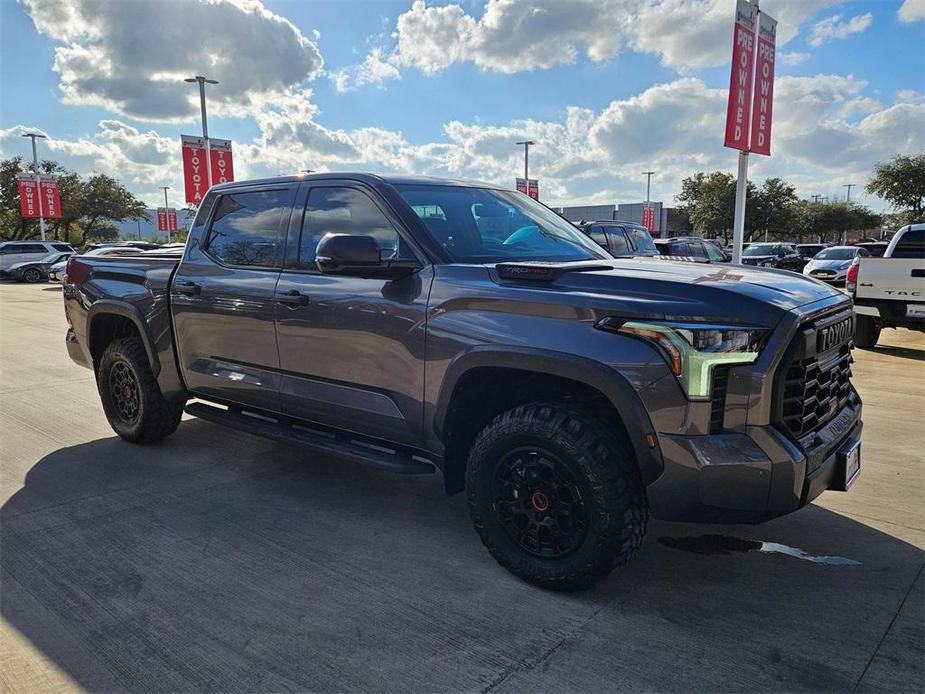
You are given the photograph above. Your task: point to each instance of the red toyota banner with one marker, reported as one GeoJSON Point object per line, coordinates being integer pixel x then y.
{"type": "Point", "coordinates": [648, 218]}
{"type": "Point", "coordinates": [521, 185]}
{"type": "Point", "coordinates": [764, 86]}
{"type": "Point", "coordinates": [51, 197]}
{"type": "Point", "coordinates": [162, 219]}
{"type": "Point", "coordinates": [738, 109]}
{"type": "Point", "coordinates": [533, 188]}
{"type": "Point", "coordinates": [28, 196]}
{"type": "Point", "coordinates": [194, 171]}
{"type": "Point", "coordinates": [172, 221]}
{"type": "Point", "coordinates": [222, 165]}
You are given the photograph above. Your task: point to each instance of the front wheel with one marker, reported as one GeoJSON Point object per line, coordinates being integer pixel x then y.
{"type": "Point", "coordinates": [866, 332]}
{"type": "Point", "coordinates": [555, 495]}
{"type": "Point", "coordinates": [131, 398]}
{"type": "Point", "coordinates": [31, 275]}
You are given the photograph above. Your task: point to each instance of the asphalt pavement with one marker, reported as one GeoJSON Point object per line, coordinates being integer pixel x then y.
{"type": "Point", "coordinates": [217, 561]}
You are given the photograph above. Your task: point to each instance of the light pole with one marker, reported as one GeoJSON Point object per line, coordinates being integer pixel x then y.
{"type": "Point", "coordinates": [526, 144]}
{"type": "Point", "coordinates": [203, 81]}
{"type": "Point", "coordinates": [849, 186]}
{"type": "Point", "coordinates": [35, 175]}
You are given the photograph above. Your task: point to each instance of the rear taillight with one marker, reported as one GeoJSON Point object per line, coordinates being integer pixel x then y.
{"type": "Point", "coordinates": [76, 272]}
{"type": "Point", "coordinates": [851, 279]}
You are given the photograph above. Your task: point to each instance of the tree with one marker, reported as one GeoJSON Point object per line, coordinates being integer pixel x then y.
{"type": "Point", "coordinates": [107, 201]}
{"type": "Point", "coordinates": [709, 201]}
{"type": "Point", "coordinates": [828, 221]}
{"type": "Point", "coordinates": [901, 182]}
{"type": "Point", "coordinates": [771, 210]}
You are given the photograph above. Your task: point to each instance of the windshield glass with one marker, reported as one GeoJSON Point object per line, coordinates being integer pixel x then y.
{"type": "Point", "coordinates": [836, 254]}
{"type": "Point", "coordinates": [761, 249]}
{"type": "Point", "coordinates": [478, 225]}
{"type": "Point", "coordinates": [643, 240]}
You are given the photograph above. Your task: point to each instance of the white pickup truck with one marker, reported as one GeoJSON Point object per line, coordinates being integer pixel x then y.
{"type": "Point", "coordinates": [889, 292]}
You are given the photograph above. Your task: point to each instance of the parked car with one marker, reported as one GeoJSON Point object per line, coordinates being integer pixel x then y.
{"type": "Point", "coordinates": [569, 393]}
{"type": "Point", "coordinates": [809, 250]}
{"type": "Point", "coordinates": [620, 239]}
{"type": "Point", "coordinates": [37, 271]}
{"type": "Point", "coordinates": [889, 292]}
{"type": "Point", "coordinates": [692, 247]}
{"type": "Point", "coordinates": [876, 249]}
{"type": "Point", "coordinates": [783, 256]}
{"type": "Point", "coordinates": [57, 270]}
{"type": "Point", "coordinates": [14, 252]}
{"type": "Point", "coordinates": [831, 264]}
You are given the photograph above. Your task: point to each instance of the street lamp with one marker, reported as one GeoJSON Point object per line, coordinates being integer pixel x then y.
{"type": "Point", "coordinates": [849, 186]}
{"type": "Point", "coordinates": [526, 144]}
{"type": "Point", "coordinates": [35, 175]}
{"type": "Point", "coordinates": [203, 81]}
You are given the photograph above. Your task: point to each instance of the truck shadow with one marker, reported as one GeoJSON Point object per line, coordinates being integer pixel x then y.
{"type": "Point", "coordinates": [216, 561]}
{"type": "Point", "coordinates": [905, 352]}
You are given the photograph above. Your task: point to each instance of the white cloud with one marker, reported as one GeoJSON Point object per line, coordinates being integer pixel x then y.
{"type": "Point", "coordinates": [373, 70]}
{"type": "Point", "coordinates": [794, 58]}
{"type": "Point", "coordinates": [512, 36]}
{"type": "Point", "coordinates": [131, 57]}
{"type": "Point", "coordinates": [834, 27]}
{"type": "Point", "coordinates": [912, 11]}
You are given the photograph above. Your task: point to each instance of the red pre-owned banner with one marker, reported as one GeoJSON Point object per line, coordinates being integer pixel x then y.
{"type": "Point", "coordinates": [648, 218]}
{"type": "Point", "coordinates": [194, 168]}
{"type": "Point", "coordinates": [764, 86]}
{"type": "Point", "coordinates": [172, 221]}
{"type": "Point", "coordinates": [533, 188]}
{"type": "Point", "coordinates": [162, 219]}
{"type": "Point", "coordinates": [738, 109]}
{"type": "Point", "coordinates": [521, 185]}
{"type": "Point", "coordinates": [28, 196]}
{"type": "Point", "coordinates": [222, 165]}
{"type": "Point", "coordinates": [51, 197]}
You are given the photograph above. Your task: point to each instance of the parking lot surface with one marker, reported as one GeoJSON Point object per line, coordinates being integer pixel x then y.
{"type": "Point", "coordinates": [219, 561]}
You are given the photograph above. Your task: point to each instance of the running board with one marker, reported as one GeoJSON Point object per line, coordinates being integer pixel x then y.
{"type": "Point", "coordinates": [340, 445]}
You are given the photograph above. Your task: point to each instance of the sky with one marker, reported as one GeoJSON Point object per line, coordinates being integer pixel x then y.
{"type": "Point", "coordinates": [607, 89]}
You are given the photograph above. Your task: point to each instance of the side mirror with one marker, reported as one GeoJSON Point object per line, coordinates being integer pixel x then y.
{"type": "Point", "coordinates": [358, 255]}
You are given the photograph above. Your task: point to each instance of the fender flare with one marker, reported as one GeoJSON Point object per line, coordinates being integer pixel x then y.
{"type": "Point", "coordinates": [610, 383]}
{"type": "Point", "coordinates": [110, 307]}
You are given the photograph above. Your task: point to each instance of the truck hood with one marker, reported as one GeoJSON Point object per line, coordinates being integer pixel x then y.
{"type": "Point", "coordinates": [669, 290]}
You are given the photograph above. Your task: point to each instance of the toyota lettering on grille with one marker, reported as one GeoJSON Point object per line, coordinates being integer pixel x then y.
{"type": "Point", "coordinates": [833, 335]}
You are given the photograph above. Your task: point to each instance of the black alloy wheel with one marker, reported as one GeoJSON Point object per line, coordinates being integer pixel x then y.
{"type": "Point", "coordinates": [32, 275]}
{"type": "Point", "coordinates": [539, 504]}
{"type": "Point", "coordinates": [124, 390]}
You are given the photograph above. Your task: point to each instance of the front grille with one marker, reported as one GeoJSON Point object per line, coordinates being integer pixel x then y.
{"type": "Point", "coordinates": [718, 398]}
{"type": "Point", "coordinates": [814, 388]}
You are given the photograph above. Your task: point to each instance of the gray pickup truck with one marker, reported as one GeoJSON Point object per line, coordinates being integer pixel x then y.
{"type": "Point", "coordinates": [419, 324]}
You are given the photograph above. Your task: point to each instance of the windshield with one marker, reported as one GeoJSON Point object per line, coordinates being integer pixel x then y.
{"type": "Point", "coordinates": [478, 225]}
{"type": "Point", "coordinates": [761, 249]}
{"type": "Point", "coordinates": [643, 240]}
{"type": "Point", "coordinates": [836, 254]}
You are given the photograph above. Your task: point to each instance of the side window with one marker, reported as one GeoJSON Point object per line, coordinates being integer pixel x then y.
{"type": "Point", "coordinates": [713, 252]}
{"type": "Point", "coordinates": [599, 236]}
{"type": "Point", "coordinates": [619, 245]}
{"type": "Point", "coordinates": [62, 247]}
{"type": "Point", "coordinates": [695, 249]}
{"type": "Point", "coordinates": [345, 211]}
{"type": "Point", "coordinates": [245, 228]}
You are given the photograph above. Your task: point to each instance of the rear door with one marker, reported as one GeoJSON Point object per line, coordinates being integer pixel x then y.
{"type": "Point", "coordinates": [223, 296]}
{"type": "Point", "coordinates": [351, 349]}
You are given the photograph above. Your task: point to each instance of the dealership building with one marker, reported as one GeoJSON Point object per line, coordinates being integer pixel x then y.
{"type": "Point", "coordinates": [669, 221]}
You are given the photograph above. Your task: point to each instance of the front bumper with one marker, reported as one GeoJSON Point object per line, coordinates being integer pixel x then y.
{"type": "Point", "coordinates": [750, 477]}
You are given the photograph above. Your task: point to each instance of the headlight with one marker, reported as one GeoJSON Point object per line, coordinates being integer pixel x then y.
{"type": "Point", "coordinates": [693, 350]}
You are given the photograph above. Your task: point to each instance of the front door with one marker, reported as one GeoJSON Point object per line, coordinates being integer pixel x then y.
{"type": "Point", "coordinates": [351, 349]}
{"type": "Point", "coordinates": [223, 297]}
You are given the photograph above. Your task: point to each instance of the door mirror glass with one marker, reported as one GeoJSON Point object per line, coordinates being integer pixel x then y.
{"type": "Point", "coordinates": [359, 255]}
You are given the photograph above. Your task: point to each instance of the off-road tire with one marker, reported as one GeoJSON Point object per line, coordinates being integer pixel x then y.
{"type": "Point", "coordinates": [605, 470]}
{"type": "Point", "coordinates": [156, 417]}
{"type": "Point", "coordinates": [31, 275]}
{"type": "Point", "coordinates": [866, 332]}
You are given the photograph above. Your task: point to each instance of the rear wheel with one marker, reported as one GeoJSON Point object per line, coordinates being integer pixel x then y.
{"type": "Point", "coordinates": [554, 493]}
{"type": "Point", "coordinates": [131, 398]}
{"type": "Point", "coordinates": [866, 332]}
{"type": "Point", "coordinates": [32, 275]}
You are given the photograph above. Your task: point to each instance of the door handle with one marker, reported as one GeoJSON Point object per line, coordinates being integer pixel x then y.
{"type": "Point", "coordinates": [293, 298]}
{"type": "Point", "coordinates": [189, 288]}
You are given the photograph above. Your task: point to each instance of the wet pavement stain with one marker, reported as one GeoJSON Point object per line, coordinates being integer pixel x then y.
{"type": "Point", "coordinates": [726, 544]}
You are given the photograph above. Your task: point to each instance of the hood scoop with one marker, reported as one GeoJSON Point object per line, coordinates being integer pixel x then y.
{"type": "Point", "coordinates": [539, 271]}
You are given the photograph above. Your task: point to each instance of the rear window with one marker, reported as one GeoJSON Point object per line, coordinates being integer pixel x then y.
{"type": "Point", "coordinates": [62, 247]}
{"type": "Point", "coordinates": [245, 228]}
{"type": "Point", "coordinates": [910, 245]}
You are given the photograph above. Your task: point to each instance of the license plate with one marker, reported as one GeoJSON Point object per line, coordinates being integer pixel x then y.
{"type": "Point", "coordinates": [915, 311]}
{"type": "Point", "coordinates": [852, 463]}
